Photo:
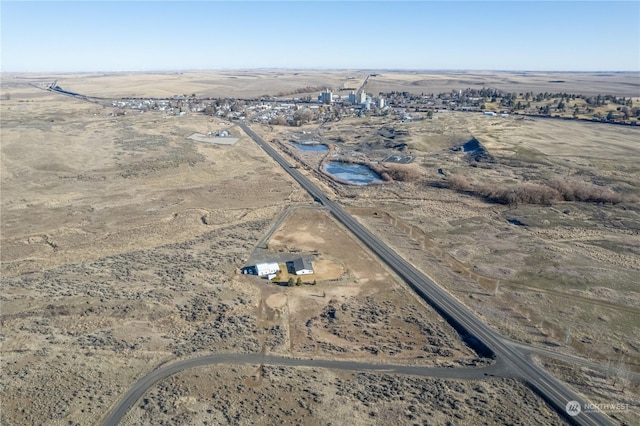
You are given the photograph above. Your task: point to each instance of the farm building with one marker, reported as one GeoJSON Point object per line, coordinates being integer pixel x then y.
{"type": "Point", "coordinates": [262, 269]}
{"type": "Point", "coordinates": [302, 266]}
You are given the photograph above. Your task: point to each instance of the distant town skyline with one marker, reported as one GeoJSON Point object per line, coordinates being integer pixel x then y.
{"type": "Point", "coordinates": [414, 35]}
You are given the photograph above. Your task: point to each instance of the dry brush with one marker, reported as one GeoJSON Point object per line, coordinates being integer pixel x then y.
{"type": "Point", "coordinates": [546, 193]}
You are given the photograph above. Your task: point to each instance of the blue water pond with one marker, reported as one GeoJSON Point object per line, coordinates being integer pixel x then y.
{"type": "Point", "coordinates": [352, 173]}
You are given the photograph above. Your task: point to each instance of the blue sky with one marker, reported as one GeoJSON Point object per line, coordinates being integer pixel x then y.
{"type": "Point", "coordinates": [427, 35]}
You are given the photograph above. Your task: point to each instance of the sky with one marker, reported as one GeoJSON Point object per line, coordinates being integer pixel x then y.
{"type": "Point", "coordinates": [415, 35]}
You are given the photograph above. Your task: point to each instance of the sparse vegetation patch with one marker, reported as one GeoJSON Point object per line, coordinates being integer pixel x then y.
{"type": "Point", "coordinates": [553, 191]}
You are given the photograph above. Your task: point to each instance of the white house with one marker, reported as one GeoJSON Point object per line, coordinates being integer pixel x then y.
{"type": "Point", "coordinates": [302, 266]}
{"type": "Point", "coordinates": [262, 269]}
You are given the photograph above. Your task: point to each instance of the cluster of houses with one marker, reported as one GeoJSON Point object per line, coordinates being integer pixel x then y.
{"type": "Point", "coordinates": [328, 106]}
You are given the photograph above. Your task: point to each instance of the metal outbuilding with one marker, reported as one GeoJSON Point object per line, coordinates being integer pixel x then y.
{"type": "Point", "coordinates": [262, 269]}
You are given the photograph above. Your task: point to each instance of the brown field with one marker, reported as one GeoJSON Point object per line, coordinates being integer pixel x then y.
{"type": "Point", "coordinates": [237, 84]}
{"type": "Point", "coordinates": [122, 241]}
{"type": "Point", "coordinates": [240, 84]}
{"type": "Point", "coordinates": [620, 84]}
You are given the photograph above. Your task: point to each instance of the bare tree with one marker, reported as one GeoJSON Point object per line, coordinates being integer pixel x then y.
{"type": "Point", "coordinates": [278, 121]}
{"type": "Point", "coordinates": [302, 117]}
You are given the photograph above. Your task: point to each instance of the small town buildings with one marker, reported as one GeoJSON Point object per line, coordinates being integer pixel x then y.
{"type": "Point", "coordinates": [302, 266]}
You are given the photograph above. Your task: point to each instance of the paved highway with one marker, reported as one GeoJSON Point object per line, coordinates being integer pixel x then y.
{"type": "Point", "coordinates": [468, 325]}
{"type": "Point", "coordinates": [145, 383]}
{"type": "Point", "coordinates": [570, 359]}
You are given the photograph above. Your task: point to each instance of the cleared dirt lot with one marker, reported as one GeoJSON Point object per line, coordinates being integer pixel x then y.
{"type": "Point", "coordinates": [122, 241]}
{"type": "Point", "coordinates": [365, 313]}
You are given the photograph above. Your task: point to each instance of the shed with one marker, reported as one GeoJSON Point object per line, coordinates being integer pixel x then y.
{"type": "Point", "coordinates": [302, 266]}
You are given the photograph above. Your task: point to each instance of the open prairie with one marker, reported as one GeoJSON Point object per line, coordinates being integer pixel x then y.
{"type": "Point", "coordinates": [255, 83]}
{"type": "Point", "coordinates": [216, 84]}
{"type": "Point", "coordinates": [122, 242]}
{"type": "Point", "coordinates": [619, 84]}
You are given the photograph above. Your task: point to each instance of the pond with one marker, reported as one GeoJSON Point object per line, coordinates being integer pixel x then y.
{"type": "Point", "coordinates": [309, 146]}
{"type": "Point", "coordinates": [352, 173]}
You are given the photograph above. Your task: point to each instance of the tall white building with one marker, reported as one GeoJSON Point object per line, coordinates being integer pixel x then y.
{"type": "Point", "coordinates": [352, 98]}
{"type": "Point", "coordinates": [380, 103]}
{"type": "Point", "coordinates": [325, 97]}
{"type": "Point", "coordinates": [367, 102]}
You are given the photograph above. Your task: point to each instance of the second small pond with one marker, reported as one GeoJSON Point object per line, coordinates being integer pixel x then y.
{"type": "Point", "coordinates": [309, 146]}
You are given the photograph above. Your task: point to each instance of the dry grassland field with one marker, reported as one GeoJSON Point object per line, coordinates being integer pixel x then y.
{"type": "Point", "coordinates": [123, 237]}
{"type": "Point", "coordinates": [620, 84]}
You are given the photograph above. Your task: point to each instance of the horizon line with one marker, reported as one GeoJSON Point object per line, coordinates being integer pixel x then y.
{"type": "Point", "coordinates": [188, 70]}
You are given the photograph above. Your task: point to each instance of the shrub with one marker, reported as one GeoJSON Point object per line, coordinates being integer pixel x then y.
{"type": "Point", "coordinates": [573, 190]}
{"type": "Point", "coordinates": [278, 121]}
{"type": "Point", "coordinates": [458, 183]}
{"type": "Point", "coordinates": [527, 193]}
{"type": "Point", "coordinates": [552, 191]}
{"type": "Point", "coordinates": [403, 173]}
